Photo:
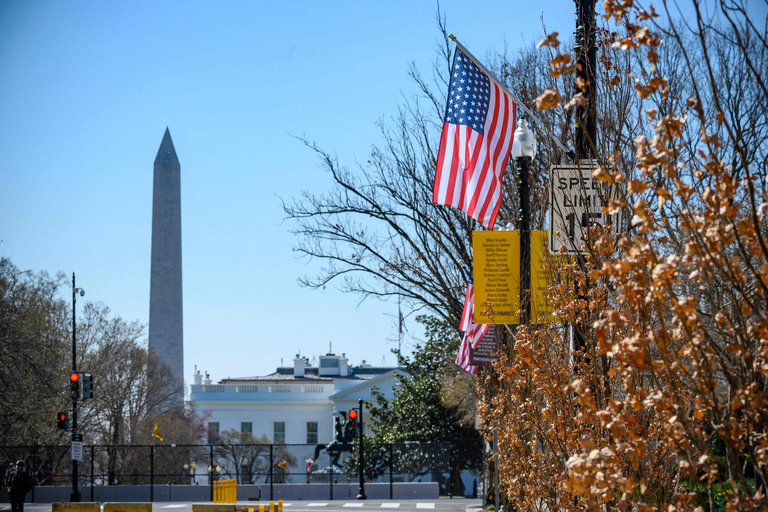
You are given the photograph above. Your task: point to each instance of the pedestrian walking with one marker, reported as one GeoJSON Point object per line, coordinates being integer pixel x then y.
{"type": "Point", "coordinates": [19, 484]}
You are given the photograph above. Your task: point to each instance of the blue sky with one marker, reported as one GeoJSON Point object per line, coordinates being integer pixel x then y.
{"type": "Point", "coordinates": [88, 88]}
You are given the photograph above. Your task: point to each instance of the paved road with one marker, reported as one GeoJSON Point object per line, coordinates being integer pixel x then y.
{"type": "Point", "coordinates": [441, 505]}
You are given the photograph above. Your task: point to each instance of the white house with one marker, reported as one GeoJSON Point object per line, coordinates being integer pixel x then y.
{"type": "Point", "coordinates": [294, 405]}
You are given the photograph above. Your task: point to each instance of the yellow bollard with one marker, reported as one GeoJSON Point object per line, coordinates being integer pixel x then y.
{"type": "Point", "coordinates": [271, 506]}
{"type": "Point", "coordinates": [250, 510]}
{"type": "Point", "coordinates": [225, 491]}
{"type": "Point", "coordinates": [279, 505]}
{"type": "Point", "coordinates": [261, 508]}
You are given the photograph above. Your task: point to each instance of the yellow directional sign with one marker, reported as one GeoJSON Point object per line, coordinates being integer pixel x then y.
{"type": "Point", "coordinates": [496, 272]}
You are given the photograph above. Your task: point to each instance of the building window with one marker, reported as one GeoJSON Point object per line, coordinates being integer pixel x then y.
{"type": "Point", "coordinates": [311, 432]}
{"type": "Point", "coordinates": [246, 426]}
{"type": "Point", "coordinates": [213, 432]}
{"type": "Point", "coordinates": [279, 435]}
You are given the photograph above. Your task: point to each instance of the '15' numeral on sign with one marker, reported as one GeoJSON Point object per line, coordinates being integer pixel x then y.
{"type": "Point", "coordinates": [587, 220]}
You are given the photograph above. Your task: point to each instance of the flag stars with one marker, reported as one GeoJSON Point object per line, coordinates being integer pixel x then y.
{"type": "Point", "coordinates": [468, 94]}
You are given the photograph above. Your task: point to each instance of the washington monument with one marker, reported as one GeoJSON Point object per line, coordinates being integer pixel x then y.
{"type": "Point", "coordinates": [166, 325]}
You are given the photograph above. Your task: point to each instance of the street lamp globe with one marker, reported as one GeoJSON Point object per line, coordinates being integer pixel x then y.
{"type": "Point", "coordinates": [194, 465]}
{"type": "Point", "coordinates": [524, 143]}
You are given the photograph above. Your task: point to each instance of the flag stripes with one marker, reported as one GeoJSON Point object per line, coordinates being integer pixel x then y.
{"type": "Point", "coordinates": [473, 333]}
{"type": "Point", "coordinates": [475, 143]}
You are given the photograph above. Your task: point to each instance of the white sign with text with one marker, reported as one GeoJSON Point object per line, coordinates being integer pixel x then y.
{"type": "Point", "coordinates": [576, 203]}
{"type": "Point", "coordinates": [77, 450]}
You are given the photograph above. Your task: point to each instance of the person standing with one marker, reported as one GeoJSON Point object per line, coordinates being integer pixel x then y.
{"type": "Point", "coordinates": [19, 484]}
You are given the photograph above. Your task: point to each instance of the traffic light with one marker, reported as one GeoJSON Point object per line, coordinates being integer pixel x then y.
{"type": "Point", "coordinates": [63, 418]}
{"type": "Point", "coordinates": [353, 419]}
{"type": "Point", "coordinates": [87, 385]}
{"type": "Point", "coordinates": [75, 385]}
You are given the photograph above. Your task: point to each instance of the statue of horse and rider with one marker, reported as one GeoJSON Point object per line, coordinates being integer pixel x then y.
{"type": "Point", "coordinates": [342, 441]}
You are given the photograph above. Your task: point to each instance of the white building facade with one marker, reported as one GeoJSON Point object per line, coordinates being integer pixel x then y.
{"type": "Point", "coordinates": [294, 405]}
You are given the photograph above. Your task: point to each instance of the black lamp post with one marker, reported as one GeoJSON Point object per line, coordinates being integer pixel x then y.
{"type": "Point", "coordinates": [523, 151]}
{"type": "Point", "coordinates": [75, 496]}
{"type": "Point", "coordinates": [361, 495]}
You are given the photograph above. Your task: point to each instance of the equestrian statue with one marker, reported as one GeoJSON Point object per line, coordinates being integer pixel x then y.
{"type": "Point", "coordinates": [342, 442]}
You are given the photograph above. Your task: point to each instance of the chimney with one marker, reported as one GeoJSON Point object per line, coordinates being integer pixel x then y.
{"type": "Point", "coordinates": [343, 367]}
{"type": "Point", "coordinates": [298, 366]}
{"type": "Point", "coordinates": [207, 380]}
{"type": "Point", "coordinates": [198, 377]}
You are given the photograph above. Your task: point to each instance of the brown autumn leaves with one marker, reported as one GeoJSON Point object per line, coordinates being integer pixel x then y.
{"type": "Point", "coordinates": [666, 405]}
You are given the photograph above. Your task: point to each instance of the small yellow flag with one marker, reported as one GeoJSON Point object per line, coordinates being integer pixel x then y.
{"type": "Point", "coordinates": [156, 433]}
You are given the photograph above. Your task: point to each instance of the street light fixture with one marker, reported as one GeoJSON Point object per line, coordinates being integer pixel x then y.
{"type": "Point", "coordinates": [524, 143]}
{"type": "Point", "coordinates": [191, 474]}
{"type": "Point", "coordinates": [523, 151]}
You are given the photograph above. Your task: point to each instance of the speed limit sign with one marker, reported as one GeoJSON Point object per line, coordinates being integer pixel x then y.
{"type": "Point", "coordinates": [576, 203]}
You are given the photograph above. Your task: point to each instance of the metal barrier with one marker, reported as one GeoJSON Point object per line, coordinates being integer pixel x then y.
{"type": "Point", "coordinates": [225, 491]}
{"type": "Point", "coordinates": [164, 472]}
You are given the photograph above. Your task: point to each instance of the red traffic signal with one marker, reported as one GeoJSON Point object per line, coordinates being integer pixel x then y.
{"type": "Point", "coordinates": [74, 385]}
{"type": "Point", "coordinates": [352, 424]}
{"type": "Point", "coordinates": [63, 420]}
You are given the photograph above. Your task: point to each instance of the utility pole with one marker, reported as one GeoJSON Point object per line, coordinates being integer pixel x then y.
{"type": "Point", "coordinates": [586, 123]}
{"type": "Point", "coordinates": [586, 59]}
{"type": "Point", "coordinates": [75, 496]}
{"type": "Point", "coordinates": [361, 495]}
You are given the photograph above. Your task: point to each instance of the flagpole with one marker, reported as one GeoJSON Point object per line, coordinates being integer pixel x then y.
{"type": "Point", "coordinates": [399, 326]}
{"type": "Point", "coordinates": [497, 82]}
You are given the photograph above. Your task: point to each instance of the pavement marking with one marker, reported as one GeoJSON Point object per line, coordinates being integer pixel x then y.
{"type": "Point", "coordinates": [315, 504]}
{"type": "Point", "coordinates": [351, 505]}
{"type": "Point", "coordinates": [178, 505]}
{"type": "Point", "coordinates": [390, 505]}
{"type": "Point", "coordinates": [425, 505]}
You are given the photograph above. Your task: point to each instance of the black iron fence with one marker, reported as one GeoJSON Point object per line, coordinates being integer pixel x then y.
{"type": "Point", "coordinates": [454, 466]}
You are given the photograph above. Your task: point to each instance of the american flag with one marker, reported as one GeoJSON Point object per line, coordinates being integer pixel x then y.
{"type": "Point", "coordinates": [462, 359]}
{"type": "Point", "coordinates": [468, 313]}
{"type": "Point", "coordinates": [475, 142]}
{"type": "Point", "coordinates": [473, 333]}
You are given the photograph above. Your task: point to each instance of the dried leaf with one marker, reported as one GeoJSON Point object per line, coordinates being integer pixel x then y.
{"type": "Point", "coordinates": [549, 40]}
